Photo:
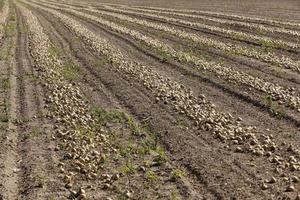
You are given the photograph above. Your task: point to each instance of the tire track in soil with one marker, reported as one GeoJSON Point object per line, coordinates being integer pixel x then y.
{"type": "Point", "coordinates": [222, 87]}
{"type": "Point", "coordinates": [34, 158]}
{"type": "Point", "coordinates": [9, 155]}
{"type": "Point", "coordinates": [191, 141]}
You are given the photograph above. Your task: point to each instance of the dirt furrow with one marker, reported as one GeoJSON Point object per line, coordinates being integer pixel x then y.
{"type": "Point", "coordinates": [27, 110]}
{"type": "Point", "coordinates": [32, 143]}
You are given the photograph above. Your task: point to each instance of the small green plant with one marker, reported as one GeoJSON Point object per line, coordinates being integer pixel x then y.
{"type": "Point", "coordinates": [267, 45]}
{"type": "Point", "coordinates": [75, 39]}
{"type": "Point", "coordinates": [175, 196]}
{"type": "Point", "coordinates": [35, 131]}
{"type": "Point", "coordinates": [275, 110]}
{"type": "Point", "coordinates": [122, 196]}
{"type": "Point", "coordinates": [280, 114]}
{"type": "Point", "coordinates": [52, 198]}
{"type": "Point", "coordinates": [269, 101]}
{"type": "Point", "coordinates": [128, 168]}
{"type": "Point", "coordinates": [144, 150]}
{"type": "Point", "coordinates": [104, 116]}
{"type": "Point", "coordinates": [70, 71]}
{"type": "Point", "coordinates": [164, 56]}
{"type": "Point", "coordinates": [126, 150]}
{"type": "Point", "coordinates": [55, 51]}
{"type": "Point", "coordinates": [177, 174]}
{"type": "Point", "coordinates": [162, 157]}
{"type": "Point", "coordinates": [85, 133]}
{"type": "Point", "coordinates": [133, 126]}
{"type": "Point", "coordinates": [151, 176]}
{"type": "Point", "coordinates": [3, 55]}
{"type": "Point", "coordinates": [179, 122]}
{"type": "Point", "coordinates": [5, 84]}
{"type": "Point", "coordinates": [101, 62]}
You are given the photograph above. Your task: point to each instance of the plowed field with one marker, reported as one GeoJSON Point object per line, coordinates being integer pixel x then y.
{"type": "Point", "coordinates": [149, 100]}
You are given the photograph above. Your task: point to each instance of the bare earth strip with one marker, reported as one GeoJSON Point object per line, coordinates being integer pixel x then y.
{"type": "Point", "coordinates": [10, 157]}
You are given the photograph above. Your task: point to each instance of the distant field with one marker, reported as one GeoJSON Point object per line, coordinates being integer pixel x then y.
{"type": "Point", "coordinates": [268, 8]}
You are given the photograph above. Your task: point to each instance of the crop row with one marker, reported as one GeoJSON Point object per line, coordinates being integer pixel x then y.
{"type": "Point", "coordinates": [256, 27]}
{"type": "Point", "coordinates": [201, 111]}
{"type": "Point", "coordinates": [233, 16]}
{"type": "Point", "coordinates": [3, 16]}
{"type": "Point", "coordinates": [284, 95]}
{"type": "Point", "coordinates": [237, 35]}
{"type": "Point", "coordinates": [67, 106]}
{"type": "Point", "coordinates": [231, 48]}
